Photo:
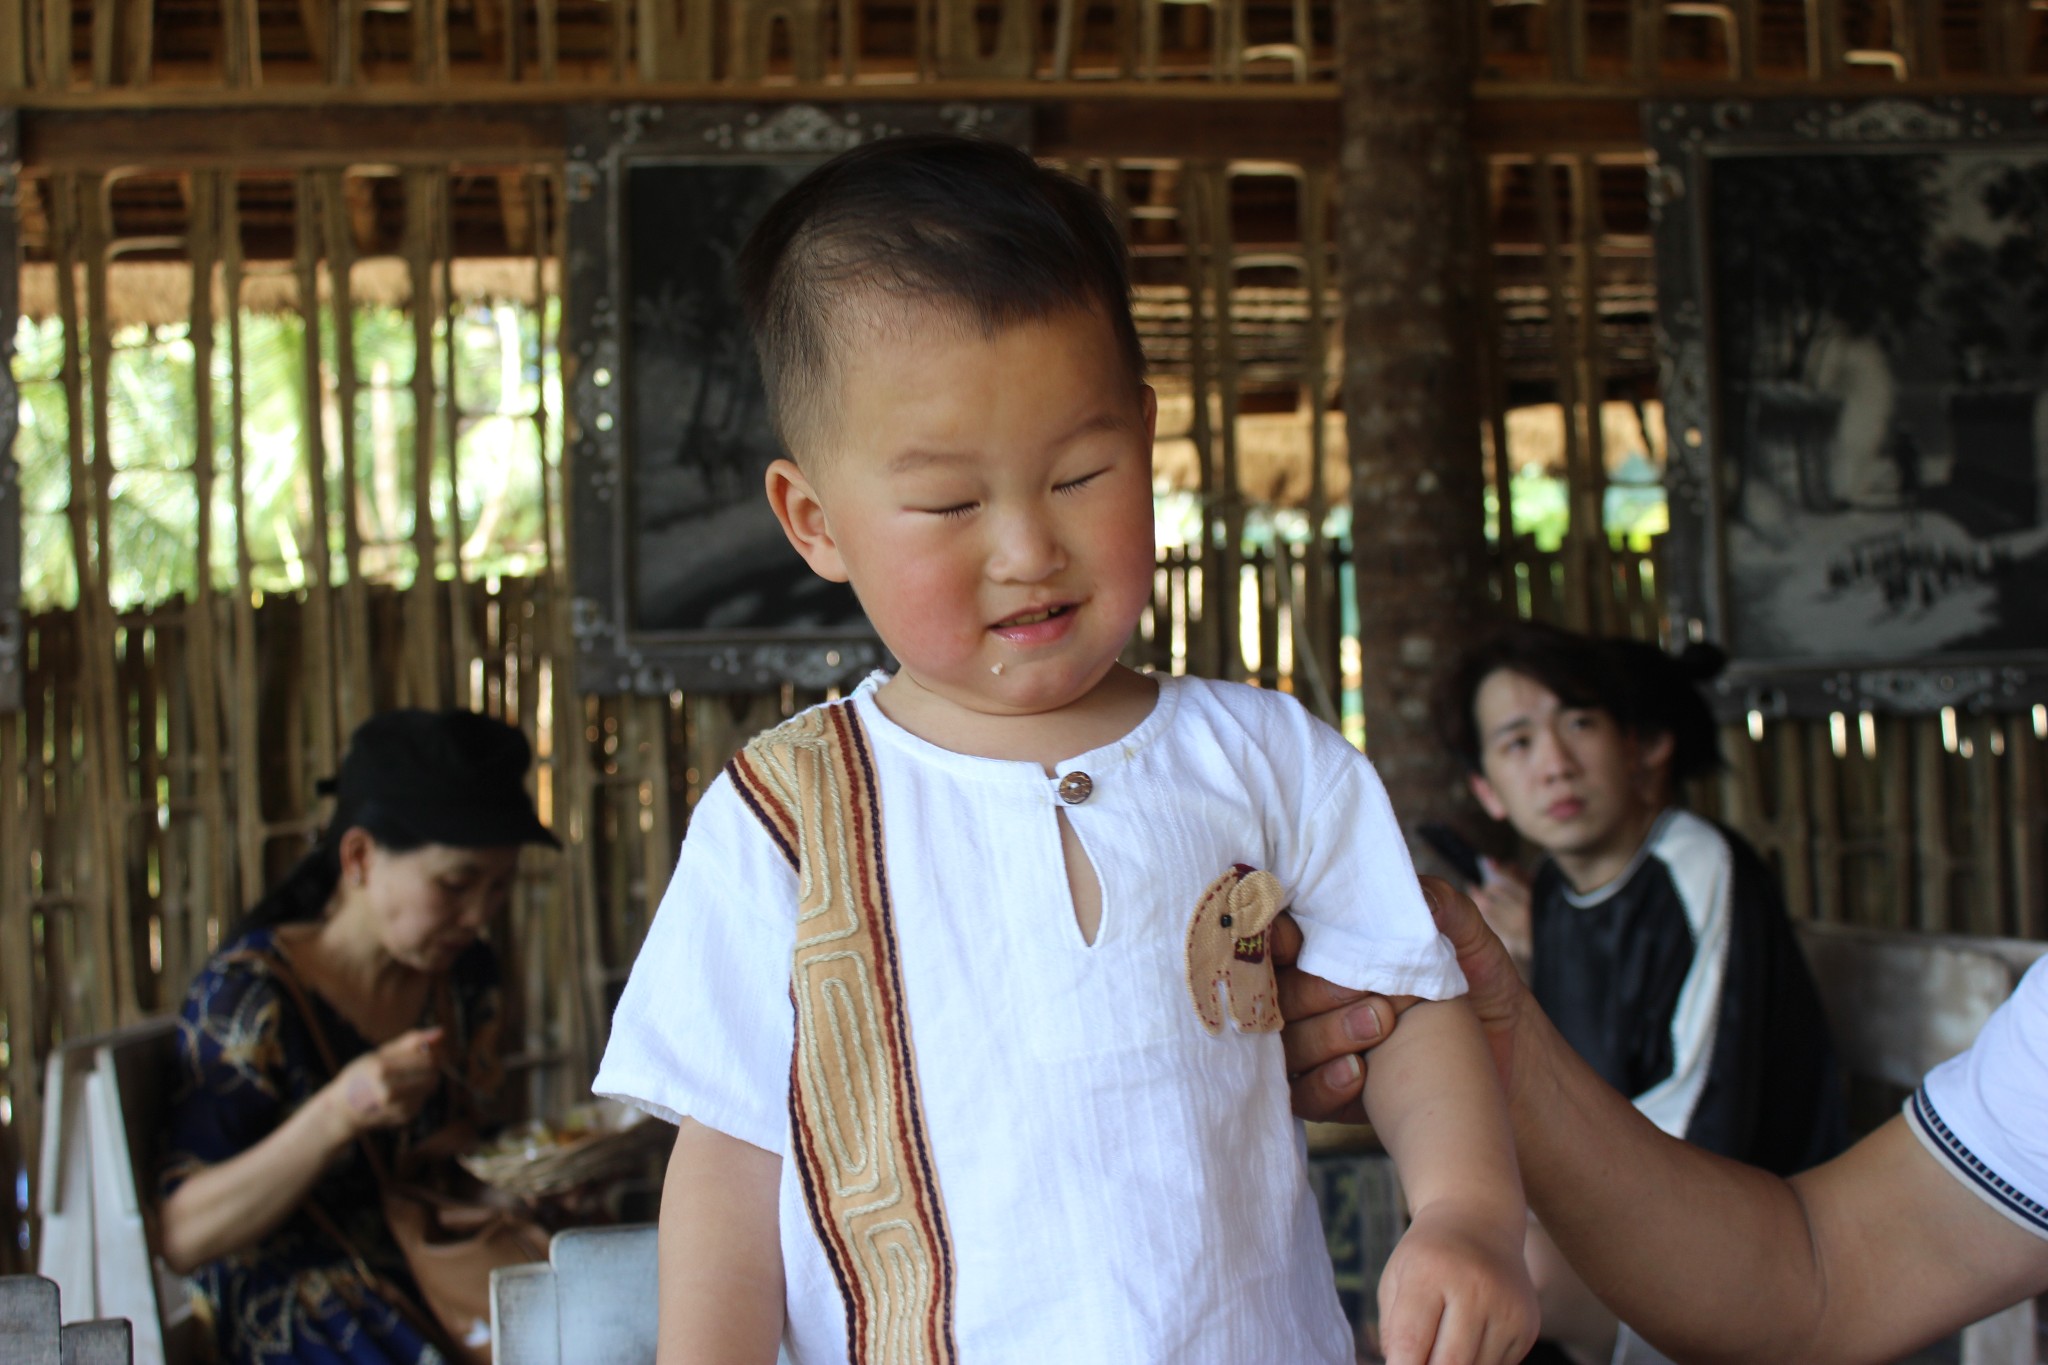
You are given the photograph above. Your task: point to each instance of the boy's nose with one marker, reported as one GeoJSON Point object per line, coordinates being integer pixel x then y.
{"type": "Point", "coordinates": [1026, 550]}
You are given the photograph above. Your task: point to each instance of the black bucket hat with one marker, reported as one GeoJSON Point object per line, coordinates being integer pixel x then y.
{"type": "Point", "coordinates": [447, 777]}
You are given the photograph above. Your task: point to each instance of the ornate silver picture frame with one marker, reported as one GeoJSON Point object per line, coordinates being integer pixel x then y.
{"type": "Point", "coordinates": [682, 576]}
{"type": "Point", "coordinates": [1853, 326]}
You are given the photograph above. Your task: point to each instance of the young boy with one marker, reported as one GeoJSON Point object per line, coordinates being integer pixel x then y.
{"type": "Point", "coordinates": [1657, 941]}
{"type": "Point", "coordinates": [994, 1112]}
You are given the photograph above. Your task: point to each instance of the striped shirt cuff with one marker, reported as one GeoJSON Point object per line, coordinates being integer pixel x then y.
{"type": "Point", "coordinates": [1937, 1137]}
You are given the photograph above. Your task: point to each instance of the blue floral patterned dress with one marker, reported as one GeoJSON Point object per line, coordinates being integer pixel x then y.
{"type": "Point", "coordinates": [246, 1061]}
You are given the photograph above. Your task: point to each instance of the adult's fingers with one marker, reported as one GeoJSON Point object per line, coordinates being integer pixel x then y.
{"type": "Point", "coordinates": [1332, 1093]}
{"type": "Point", "coordinates": [1283, 939]}
{"type": "Point", "coordinates": [1494, 989]}
{"type": "Point", "coordinates": [1352, 1027]}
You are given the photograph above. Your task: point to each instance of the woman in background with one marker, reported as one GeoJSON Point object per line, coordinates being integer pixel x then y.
{"type": "Point", "coordinates": [352, 1020]}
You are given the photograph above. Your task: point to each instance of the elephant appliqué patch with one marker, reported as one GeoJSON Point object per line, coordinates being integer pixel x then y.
{"type": "Point", "coordinates": [1227, 951]}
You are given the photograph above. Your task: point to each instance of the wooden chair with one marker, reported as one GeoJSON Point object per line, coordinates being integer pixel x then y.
{"type": "Point", "coordinates": [596, 1298]}
{"type": "Point", "coordinates": [31, 1334]}
{"type": "Point", "coordinates": [104, 1105]}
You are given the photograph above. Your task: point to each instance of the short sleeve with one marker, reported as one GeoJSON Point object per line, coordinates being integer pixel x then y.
{"type": "Point", "coordinates": [232, 1087]}
{"type": "Point", "coordinates": [1364, 923]}
{"type": "Point", "coordinates": [704, 1028]}
{"type": "Point", "coordinates": [1984, 1114]}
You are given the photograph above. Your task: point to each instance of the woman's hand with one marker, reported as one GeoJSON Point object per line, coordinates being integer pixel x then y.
{"type": "Point", "coordinates": [1503, 898]}
{"type": "Point", "coordinates": [386, 1088]}
{"type": "Point", "coordinates": [238, 1202]}
{"type": "Point", "coordinates": [1328, 1027]}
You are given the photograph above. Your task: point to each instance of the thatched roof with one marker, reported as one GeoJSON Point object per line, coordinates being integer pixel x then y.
{"type": "Point", "coordinates": [160, 292]}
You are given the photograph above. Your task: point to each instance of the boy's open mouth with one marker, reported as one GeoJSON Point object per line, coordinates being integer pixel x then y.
{"type": "Point", "coordinates": [1032, 618]}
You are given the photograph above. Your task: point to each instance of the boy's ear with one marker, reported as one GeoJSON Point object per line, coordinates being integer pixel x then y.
{"type": "Point", "coordinates": [1483, 792]}
{"type": "Point", "coordinates": [1656, 751]}
{"type": "Point", "coordinates": [803, 520]}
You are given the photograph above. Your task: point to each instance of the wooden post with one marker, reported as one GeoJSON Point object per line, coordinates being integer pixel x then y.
{"type": "Point", "coordinates": [1409, 255]}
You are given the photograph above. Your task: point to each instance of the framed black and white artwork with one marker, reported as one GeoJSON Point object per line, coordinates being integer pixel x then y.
{"type": "Point", "coordinates": [1853, 322]}
{"type": "Point", "coordinates": [682, 577]}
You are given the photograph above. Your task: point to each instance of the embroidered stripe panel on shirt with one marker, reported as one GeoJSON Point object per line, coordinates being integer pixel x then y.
{"type": "Point", "coordinates": [856, 1120]}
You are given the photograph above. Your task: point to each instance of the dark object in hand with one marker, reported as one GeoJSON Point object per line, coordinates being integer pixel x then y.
{"type": "Point", "coordinates": [1452, 848]}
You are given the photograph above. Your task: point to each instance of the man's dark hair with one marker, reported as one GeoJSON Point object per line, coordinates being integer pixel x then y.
{"type": "Point", "coordinates": [1647, 691]}
{"type": "Point", "coordinates": [973, 226]}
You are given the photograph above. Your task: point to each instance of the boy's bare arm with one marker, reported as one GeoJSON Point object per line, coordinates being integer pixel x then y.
{"type": "Point", "coordinates": [721, 1252]}
{"type": "Point", "coordinates": [1456, 1290]}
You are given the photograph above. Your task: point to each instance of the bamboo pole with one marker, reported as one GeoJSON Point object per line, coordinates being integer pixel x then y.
{"type": "Point", "coordinates": [246, 712]}
{"type": "Point", "coordinates": [15, 45]}
{"type": "Point", "coordinates": [353, 686]}
{"type": "Point", "coordinates": [1829, 897]}
{"type": "Point", "coordinates": [462, 645]}
{"type": "Point", "coordinates": [1578, 602]}
{"type": "Point", "coordinates": [55, 50]}
{"type": "Point", "coordinates": [1590, 491]}
{"type": "Point", "coordinates": [319, 556]}
{"type": "Point", "coordinates": [1936, 912]}
{"type": "Point", "coordinates": [74, 219]}
{"type": "Point", "coordinates": [1227, 557]}
{"type": "Point", "coordinates": [1645, 39]}
{"type": "Point", "coordinates": [138, 41]}
{"type": "Point", "coordinates": [1493, 384]}
{"type": "Point", "coordinates": [18, 991]}
{"type": "Point", "coordinates": [1567, 39]}
{"type": "Point", "coordinates": [1988, 909]}
{"type": "Point", "coordinates": [243, 43]}
{"type": "Point", "coordinates": [2028, 813]}
{"type": "Point", "coordinates": [1825, 44]}
{"type": "Point", "coordinates": [1205, 647]}
{"type": "Point", "coordinates": [547, 40]}
{"type": "Point", "coordinates": [425, 676]}
{"type": "Point", "coordinates": [1319, 577]}
{"type": "Point", "coordinates": [210, 868]}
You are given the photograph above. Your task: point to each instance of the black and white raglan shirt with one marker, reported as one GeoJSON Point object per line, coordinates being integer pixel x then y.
{"type": "Point", "coordinates": [1682, 984]}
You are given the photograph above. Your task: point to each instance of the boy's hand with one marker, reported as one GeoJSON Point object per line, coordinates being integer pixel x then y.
{"type": "Point", "coordinates": [1456, 1292]}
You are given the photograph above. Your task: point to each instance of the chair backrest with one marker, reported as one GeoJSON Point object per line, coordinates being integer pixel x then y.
{"type": "Point", "coordinates": [596, 1299]}
{"type": "Point", "coordinates": [104, 1113]}
{"type": "Point", "coordinates": [30, 1309]}
{"type": "Point", "coordinates": [1901, 1003]}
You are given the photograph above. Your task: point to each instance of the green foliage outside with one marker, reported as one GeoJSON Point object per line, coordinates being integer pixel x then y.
{"type": "Point", "coordinates": [152, 434]}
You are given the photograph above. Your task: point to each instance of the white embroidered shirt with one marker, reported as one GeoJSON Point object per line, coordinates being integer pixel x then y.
{"type": "Point", "coordinates": [1120, 1186]}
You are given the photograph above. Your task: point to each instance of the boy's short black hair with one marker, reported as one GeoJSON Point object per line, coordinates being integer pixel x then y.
{"type": "Point", "coordinates": [1647, 691]}
{"type": "Point", "coordinates": [969, 225]}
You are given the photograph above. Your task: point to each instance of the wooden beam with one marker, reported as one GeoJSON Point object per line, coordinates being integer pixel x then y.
{"type": "Point", "coordinates": [1300, 127]}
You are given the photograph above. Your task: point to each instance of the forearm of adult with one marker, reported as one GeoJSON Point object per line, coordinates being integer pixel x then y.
{"type": "Point", "coordinates": [720, 1252]}
{"type": "Point", "coordinates": [236, 1203]}
{"type": "Point", "coordinates": [1861, 1259]}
